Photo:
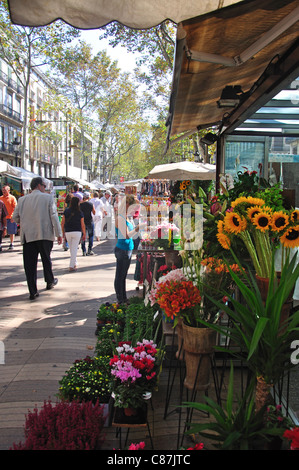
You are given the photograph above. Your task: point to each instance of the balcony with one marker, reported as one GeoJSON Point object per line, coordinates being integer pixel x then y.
{"type": "Point", "coordinates": [42, 157]}
{"type": "Point", "coordinates": [6, 147]}
{"type": "Point", "coordinates": [3, 77]}
{"type": "Point", "coordinates": [9, 112]}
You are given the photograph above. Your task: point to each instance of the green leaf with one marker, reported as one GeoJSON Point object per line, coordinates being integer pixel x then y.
{"type": "Point", "coordinates": [258, 331]}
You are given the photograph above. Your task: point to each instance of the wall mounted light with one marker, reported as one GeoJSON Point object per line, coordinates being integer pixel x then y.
{"type": "Point", "coordinates": [230, 96]}
{"type": "Point", "coordinates": [209, 139]}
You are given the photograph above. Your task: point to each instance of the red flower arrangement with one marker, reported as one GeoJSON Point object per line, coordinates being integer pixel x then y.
{"type": "Point", "coordinates": [293, 436]}
{"type": "Point", "coordinates": [176, 298]}
{"type": "Point", "coordinates": [134, 372]}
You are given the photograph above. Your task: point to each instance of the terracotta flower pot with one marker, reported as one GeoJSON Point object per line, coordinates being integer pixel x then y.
{"type": "Point", "coordinates": [198, 346]}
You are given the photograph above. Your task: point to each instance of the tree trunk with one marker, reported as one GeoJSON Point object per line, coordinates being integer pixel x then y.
{"type": "Point", "coordinates": [262, 393]}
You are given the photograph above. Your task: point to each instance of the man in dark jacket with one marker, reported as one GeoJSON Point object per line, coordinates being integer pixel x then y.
{"type": "Point", "coordinates": [88, 210]}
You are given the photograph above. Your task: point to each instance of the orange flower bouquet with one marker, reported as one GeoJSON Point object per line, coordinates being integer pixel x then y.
{"type": "Point", "coordinates": [261, 229]}
{"type": "Point", "coordinates": [179, 299]}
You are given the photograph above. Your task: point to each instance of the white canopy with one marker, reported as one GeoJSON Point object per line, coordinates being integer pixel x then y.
{"type": "Point", "coordinates": [8, 169]}
{"type": "Point", "coordinates": [96, 185]}
{"type": "Point", "coordinates": [90, 14]}
{"type": "Point", "coordinates": [24, 175]}
{"type": "Point", "coordinates": [184, 171]}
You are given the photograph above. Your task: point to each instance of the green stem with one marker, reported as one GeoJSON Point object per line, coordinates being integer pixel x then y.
{"type": "Point", "coordinates": [246, 238]}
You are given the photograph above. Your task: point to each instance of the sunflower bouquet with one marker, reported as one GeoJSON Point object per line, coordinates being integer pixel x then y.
{"type": "Point", "coordinates": [261, 229]}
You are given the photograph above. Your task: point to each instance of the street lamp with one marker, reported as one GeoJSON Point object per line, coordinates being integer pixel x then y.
{"type": "Point", "coordinates": [16, 148]}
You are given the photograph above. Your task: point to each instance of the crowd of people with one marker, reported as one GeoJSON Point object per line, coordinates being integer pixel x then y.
{"type": "Point", "coordinates": [84, 218]}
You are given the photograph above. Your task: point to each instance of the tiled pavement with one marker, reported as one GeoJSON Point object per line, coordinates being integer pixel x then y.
{"type": "Point", "coordinates": [43, 338]}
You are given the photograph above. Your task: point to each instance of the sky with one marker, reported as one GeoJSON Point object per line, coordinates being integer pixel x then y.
{"type": "Point", "coordinates": [126, 61]}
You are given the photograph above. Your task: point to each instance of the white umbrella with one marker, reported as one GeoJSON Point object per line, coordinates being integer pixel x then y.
{"type": "Point", "coordinates": [184, 171]}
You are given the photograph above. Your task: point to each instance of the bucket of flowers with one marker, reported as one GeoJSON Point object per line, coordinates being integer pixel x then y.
{"type": "Point", "coordinates": [134, 374]}
{"type": "Point", "coordinates": [165, 235]}
{"type": "Point", "coordinates": [261, 229]}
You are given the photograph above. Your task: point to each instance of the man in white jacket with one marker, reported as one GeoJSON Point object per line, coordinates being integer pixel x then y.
{"type": "Point", "coordinates": [39, 224]}
{"type": "Point", "coordinates": [107, 218]}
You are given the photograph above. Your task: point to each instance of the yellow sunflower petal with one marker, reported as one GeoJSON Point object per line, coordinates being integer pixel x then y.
{"type": "Point", "coordinates": [234, 223]}
{"type": "Point", "coordinates": [224, 240]}
{"type": "Point", "coordinates": [290, 239]}
{"type": "Point", "coordinates": [279, 221]}
{"type": "Point", "coordinates": [256, 201]}
{"type": "Point", "coordinates": [252, 211]}
{"type": "Point", "coordinates": [295, 215]}
{"type": "Point", "coordinates": [239, 200]}
{"type": "Point", "coordinates": [262, 221]}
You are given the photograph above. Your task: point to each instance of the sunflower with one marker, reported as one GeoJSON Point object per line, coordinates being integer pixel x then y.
{"type": "Point", "coordinates": [234, 223]}
{"type": "Point", "coordinates": [279, 221]}
{"type": "Point", "coordinates": [224, 240]}
{"type": "Point", "coordinates": [239, 200]}
{"type": "Point", "coordinates": [295, 215]}
{"type": "Point", "coordinates": [256, 201]}
{"type": "Point", "coordinates": [290, 239]}
{"type": "Point", "coordinates": [220, 226]}
{"type": "Point", "coordinates": [253, 211]}
{"type": "Point", "coordinates": [262, 221]}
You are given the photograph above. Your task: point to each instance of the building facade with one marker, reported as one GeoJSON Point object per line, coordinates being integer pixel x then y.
{"type": "Point", "coordinates": [50, 147]}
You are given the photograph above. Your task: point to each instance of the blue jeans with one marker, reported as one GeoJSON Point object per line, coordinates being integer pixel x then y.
{"type": "Point", "coordinates": [123, 261]}
{"type": "Point", "coordinates": [89, 231]}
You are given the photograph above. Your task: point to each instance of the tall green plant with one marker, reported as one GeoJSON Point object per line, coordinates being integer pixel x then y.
{"type": "Point", "coordinates": [236, 427]}
{"type": "Point", "coordinates": [256, 326]}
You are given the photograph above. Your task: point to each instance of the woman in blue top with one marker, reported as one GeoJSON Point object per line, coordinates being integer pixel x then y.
{"type": "Point", "coordinates": [125, 232]}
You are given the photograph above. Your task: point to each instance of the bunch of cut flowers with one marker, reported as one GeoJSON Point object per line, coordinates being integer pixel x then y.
{"type": "Point", "coordinates": [261, 228]}
{"type": "Point", "coordinates": [176, 296]}
{"type": "Point", "coordinates": [134, 373]}
{"type": "Point", "coordinates": [175, 275]}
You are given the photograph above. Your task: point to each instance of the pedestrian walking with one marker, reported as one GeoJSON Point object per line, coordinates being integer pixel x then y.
{"type": "Point", "coordinates": [88, 210]}
{"type": "Point", "coordinates": [67, 204]}
{"type": "Point", "coordinates": [98, 216]}
{"type": "Point", "coordinates": [73, 228]}
{"type": "Point", "coordinates": [10, 204]}
{"type": "Point", "coordinates": [39, 224]}
{"type": "Point", "coordinates": [107, 217]}
{"type": "Point", "coordinates": [77, 193]}
{"type": "Point", "coordinates": [3, 223]}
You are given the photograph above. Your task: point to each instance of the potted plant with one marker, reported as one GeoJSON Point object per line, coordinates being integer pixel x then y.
{"type": "Point", "coordinates": [292, 435]}
{"type": "Point", "coordinates": [233, 427]}
{"type": "Point", "coordinates": [181, 300]}
{"type": "Point", "coordinates": [134, 372]}
{"type": "Point", "coordinates": [275, 419]}
{"type": "Point", "coordinates": [264, 341]}
{"type": "Point", "coordinates": [87, 380]}
{"type": "Point", "coordinates": [108, 338]}
{"type": "Point", "coordinates": [109, 313]}
{"type": "Point", "coordinates": [64, 426]}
